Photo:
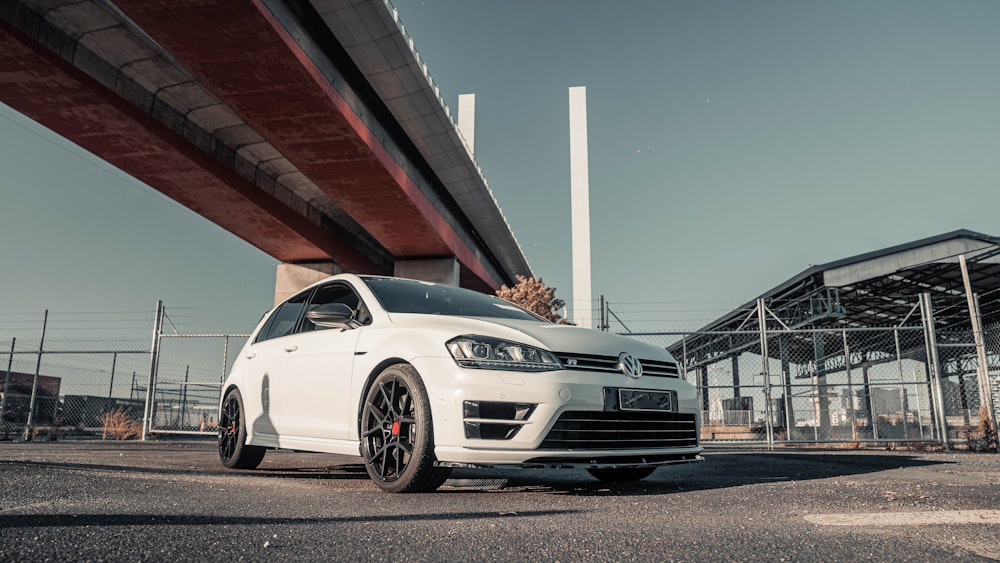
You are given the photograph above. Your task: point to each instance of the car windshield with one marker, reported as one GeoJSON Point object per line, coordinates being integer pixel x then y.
{"type": "Point", "coordinates": [409, 296]}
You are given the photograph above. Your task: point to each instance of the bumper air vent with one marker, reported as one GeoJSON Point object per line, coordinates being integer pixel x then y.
{"type": "Point", "coordinates": [584, 430]}
{"type": "Point", "coordinates": [491, 420]}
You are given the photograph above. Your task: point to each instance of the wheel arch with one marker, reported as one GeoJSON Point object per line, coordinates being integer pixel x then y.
{"type": "Point", "coordinates": [225, 391]}
{"type": "Point", "coordinates": [375, 371]}
{"type": "Point", "coordinates": [230, 387]}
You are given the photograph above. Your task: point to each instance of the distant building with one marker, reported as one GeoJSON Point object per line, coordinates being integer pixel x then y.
{"type": "Point", "coordinates": [889, 400]}
{"type": "Point", "coordinates": [884, 401]}
{"type": "Point", "coordinates": [15, 396]}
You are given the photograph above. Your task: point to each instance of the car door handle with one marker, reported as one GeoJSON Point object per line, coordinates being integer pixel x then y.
{"type": "Point", "coordinates": [291, 348]}
{"type": "Point", "coordinates": [251, 355]}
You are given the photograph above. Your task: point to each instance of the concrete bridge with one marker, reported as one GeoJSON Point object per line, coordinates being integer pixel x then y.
{"type": "Point", "coordinates": [309, 128]}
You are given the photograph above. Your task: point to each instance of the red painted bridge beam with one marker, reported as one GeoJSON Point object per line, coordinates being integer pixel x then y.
{"type": "Point", "coordinates": [48, 89]}
{"type": "Point", "coordinates": [245, 57]}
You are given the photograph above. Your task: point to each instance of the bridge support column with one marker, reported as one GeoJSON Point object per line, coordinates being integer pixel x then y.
{"type": "Point", "coordinates": [292, 277]}
{"type": "Point", "coordinates": [436, 270]}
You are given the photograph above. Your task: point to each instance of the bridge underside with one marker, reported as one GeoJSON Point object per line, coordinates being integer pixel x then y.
{"type": "Point", "coordinates": [251, 114]}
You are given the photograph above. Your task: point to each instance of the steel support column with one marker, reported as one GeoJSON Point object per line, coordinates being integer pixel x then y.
{"type": "Point", "coordinates": [872, 415]}
{"type": "Point", "coordinates": [736, 376]}
{"type": "Point", "coordinates": [819, 381]}
{"type": "Point", "coordinates": [902, 389]}
{"type": "Point", "coordinates": [982, 371]}
{"type": "Point", "coordinates": [786, 378]}
{"type": "Point", "coordinates": [703, 378]}
{"type": "Point", "coordinates": [850, 387]}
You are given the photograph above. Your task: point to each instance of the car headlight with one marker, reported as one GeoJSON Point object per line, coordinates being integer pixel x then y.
{"type": "Point", "coordinates": [484, 352]}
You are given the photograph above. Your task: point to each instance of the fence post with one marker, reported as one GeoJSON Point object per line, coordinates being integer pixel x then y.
{"type": "Point", "coordinates": [6, 382]}
{"type": "Point", "coordinates": [114, 362]}
{"type": "Point", "coordinates": [34, 383]}
{"type": "Point", "coordinates": [684, 356]}
{"type": "Point", "coordinates": [154, 349]}
{"type": "Point", "coordinates": [184, 397]}
{"type": "Point", "coordinates": [762, 320]}
{"type": "Point", "coordinates": [225, 361]}
{"type": "Point", "coordinates": [937, 393]}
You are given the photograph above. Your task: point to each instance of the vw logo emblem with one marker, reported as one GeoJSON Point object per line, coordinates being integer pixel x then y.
{"type": "Point", "coordinates": [630, 365]}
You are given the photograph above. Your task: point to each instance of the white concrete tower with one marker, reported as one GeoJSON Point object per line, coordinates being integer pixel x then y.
{"type": "Point", "coordinates": [579, 179]}
{"type": "Point", "coordinates": [467, 120]}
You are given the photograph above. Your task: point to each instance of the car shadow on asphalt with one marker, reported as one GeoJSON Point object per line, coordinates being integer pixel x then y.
{"type": "Point", "coordinates": [132, 520]}
{"type": "Point", "coordinates": [719, 471]}
{"type": "Point", "coordinates": [109, 467]}
{"type": "Point", "coordinates": [344, 471]}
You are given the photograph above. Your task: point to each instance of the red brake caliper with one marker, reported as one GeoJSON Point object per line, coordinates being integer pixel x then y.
{"type": "Point", "coordinates": [395, 428]}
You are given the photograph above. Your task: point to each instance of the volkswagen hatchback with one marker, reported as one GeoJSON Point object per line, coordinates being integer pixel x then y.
{"type": "Point", "coordinates": [418, 378]}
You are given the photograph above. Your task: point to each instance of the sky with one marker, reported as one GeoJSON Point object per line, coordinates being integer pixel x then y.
{"type": "Point", "coordinates": [732, 145]}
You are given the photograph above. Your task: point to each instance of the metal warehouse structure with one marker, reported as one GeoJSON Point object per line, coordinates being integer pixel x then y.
{"type": "Point", "coordinates": [882, 346]}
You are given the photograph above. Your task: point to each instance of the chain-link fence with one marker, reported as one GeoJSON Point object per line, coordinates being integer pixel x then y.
{"type": "Point", "coordinates": [63, 378]}
{"type": "Point", "coordinates": [65, 382]}
{"type": "Point", "coordinates": [845, 385]}
{"type": "Point", "coordinates": [188, 379]}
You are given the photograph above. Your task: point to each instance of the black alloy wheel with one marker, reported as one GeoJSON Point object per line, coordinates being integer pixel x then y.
{"type": "Point", "coordinates": [396, 433]}
{"type": "Point", "coordinates": [233, 449]}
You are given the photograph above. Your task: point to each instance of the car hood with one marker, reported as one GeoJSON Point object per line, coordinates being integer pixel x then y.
{"type": "Point", "coordinates": [554, 337]}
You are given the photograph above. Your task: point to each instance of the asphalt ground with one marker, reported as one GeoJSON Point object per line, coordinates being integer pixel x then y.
{"type": "Point", "coordinates": [173, 501]}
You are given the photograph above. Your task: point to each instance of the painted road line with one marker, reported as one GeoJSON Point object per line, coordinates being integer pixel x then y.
{"type": "Point", "coordinates": [907, 518]}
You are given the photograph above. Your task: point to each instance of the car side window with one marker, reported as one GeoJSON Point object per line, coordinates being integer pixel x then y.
{"type": "Point", "coordinates": [286, 318]}
{"type": "Point", "coordinates": [262, 335]}
{"type": "Point", "coordinates": [336, 293]}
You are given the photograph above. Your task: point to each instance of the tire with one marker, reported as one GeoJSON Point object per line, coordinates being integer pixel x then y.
{"type": "Point", "coordinates": [622, 474]}
{"type": "Point", "coordinates": [397, 438]}
{"type": "Point", "coordinates": [233, 449]}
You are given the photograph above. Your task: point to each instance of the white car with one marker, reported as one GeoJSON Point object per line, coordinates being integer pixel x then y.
{"type": "Point", "coordinates": [419, 378]}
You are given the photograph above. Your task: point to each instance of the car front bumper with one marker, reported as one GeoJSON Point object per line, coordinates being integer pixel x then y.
{"type": "Point", "coordinates": [542, 403]}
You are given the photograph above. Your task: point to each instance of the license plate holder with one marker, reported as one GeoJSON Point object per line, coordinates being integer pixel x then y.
{"type": "Point", "coordinates": [641, 400]}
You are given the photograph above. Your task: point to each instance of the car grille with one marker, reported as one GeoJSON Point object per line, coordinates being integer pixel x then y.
{"type": "Point", "coordinates": [588, 362]}
{"type": "Point", "coordinates": [585, 430]}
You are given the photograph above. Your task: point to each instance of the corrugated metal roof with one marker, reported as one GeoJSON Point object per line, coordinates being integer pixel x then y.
{"type": "Point", "coordinates": [874, 289]}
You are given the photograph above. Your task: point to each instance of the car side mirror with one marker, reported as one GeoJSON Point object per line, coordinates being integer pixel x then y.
{"type": "Point", "coordinates": [332, 315]}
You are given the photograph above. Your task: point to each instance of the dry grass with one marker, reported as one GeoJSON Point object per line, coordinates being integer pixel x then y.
{"type": "Point", "coordinates": [119, 426]}
{"type": "Point", "coordinates": [985, 423]}
{"type": "Point", "coordinates": [923, 447]}
{"type": "Point", "coordinates": [980, 439]}
{"type": "Point", "coordinates": [55, 430]}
